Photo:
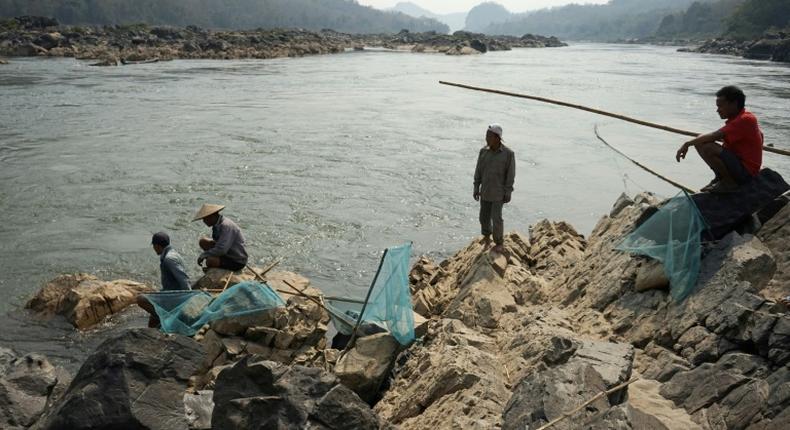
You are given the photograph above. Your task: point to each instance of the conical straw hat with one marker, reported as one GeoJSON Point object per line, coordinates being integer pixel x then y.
{"type": "Point", "coordinates": [207, 210]}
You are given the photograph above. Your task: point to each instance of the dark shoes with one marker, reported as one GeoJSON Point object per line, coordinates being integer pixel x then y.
{"type": "Point", "coordinates": [724, 188]}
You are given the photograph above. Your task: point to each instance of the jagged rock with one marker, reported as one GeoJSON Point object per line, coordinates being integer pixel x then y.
{"type": "Point", "coordinates": [28, 385]}
{"type": "Point", "coordinates": [546, 395]}
{"type": "Point", "coordinates": [664, 363]}
{"type": "Point", "coordinates": [481, 300]}
{"type": "Point", "coordinates": [264, 394]}
{"type": "Point", "coordinates": [774, 234]}
{"type": "Point", "coordinates": [448, 382]}
{"type": "Point", "coordinates": [198, 408]}
{"type": "Point", "coordinates": [364, 367]}
{"type": "Point", "coordinates": [50, 40]}
{"type": "Point", "coordinates": [84, 299]}
{"type": "Point", "coordinates": [622, 202]}
{"type": "Point", "coordinates": [648, 410]}
{"type": "Point", "coordinates": [554, 247]}
{"type": "Point", "coordinates": [136, 380]}
{"type": "Point", "coordinates": [217, 279]}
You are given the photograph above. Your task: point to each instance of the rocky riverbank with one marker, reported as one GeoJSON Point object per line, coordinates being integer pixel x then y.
{"type": "Point", "coordinates": [773, 46]}
{"type": "Point", "coordinates": [509, 341]}
{"type": "Point", "coordinates": [116, 45]}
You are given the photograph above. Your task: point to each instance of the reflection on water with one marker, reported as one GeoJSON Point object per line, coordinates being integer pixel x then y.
{"type": "Point", "coordinates": [324, 161]}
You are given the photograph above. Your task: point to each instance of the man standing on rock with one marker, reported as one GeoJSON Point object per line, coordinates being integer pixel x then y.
{"type": "Point", "coordinates": [174, 276]}
{"type": "Point", "coordinates": [739, 160]}
{"type": "Point", "coordinates": [493, 186]}
{"type": "Point", "coordinates": [225, 249]}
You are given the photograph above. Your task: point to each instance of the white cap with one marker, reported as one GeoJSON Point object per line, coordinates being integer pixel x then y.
{"type": "Point", "coordinates": [496, 129]}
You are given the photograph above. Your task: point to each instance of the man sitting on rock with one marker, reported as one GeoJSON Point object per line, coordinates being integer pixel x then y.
{"type": "Point", "coordinates": [225, 249]}
{"type": "Point", "coordinates": [493, 185]}
{"type": "Point", "coordinates": [737, 161]}
{"type": "Point", "coordinates": [174, 276]}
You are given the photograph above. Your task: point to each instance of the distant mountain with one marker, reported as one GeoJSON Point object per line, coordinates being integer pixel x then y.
{"type": "Point", "coordinates": [616, 20]}
{"type": "Point", "coordinates": [455, 21]}
{"type": "Point", "coordinates": [486, 14]}
{"type": "Point", "coordinates": [341, 15]}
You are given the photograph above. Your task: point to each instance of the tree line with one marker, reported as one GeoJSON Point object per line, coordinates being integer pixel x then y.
{"type": "Point", "coordinates": [646, 19]}
{"type": "Point", "coordinates": [340, 15]}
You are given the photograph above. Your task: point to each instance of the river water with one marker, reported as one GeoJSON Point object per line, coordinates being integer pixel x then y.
{"type": "Point", "coordinates": [324, 161]}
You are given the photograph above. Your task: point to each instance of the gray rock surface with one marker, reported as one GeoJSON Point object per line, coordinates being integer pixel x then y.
{"type": "Point", "coordinates": [265, 394]}
{"type": "Point", "coordinates": [136, 380]}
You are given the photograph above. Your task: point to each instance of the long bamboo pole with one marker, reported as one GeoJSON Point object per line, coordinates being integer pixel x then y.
{"type": "Point", "coordinates": [597, 111]}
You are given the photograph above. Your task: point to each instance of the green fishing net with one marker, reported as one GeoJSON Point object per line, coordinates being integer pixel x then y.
{"type": "Point", "coordinates": [673, 236]}
{"type": "Point", "coordinates": [184, 312]}
{"type": "Point", "coordinates": [389, 305]}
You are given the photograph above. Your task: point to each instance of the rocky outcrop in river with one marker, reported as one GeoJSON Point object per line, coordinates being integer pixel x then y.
{"type": "Point", "coordinates": [133, 44]}
{"type": "Point", "coordinates": [511, 341]}
{"type": "Point", "coordinates": [773, 46]}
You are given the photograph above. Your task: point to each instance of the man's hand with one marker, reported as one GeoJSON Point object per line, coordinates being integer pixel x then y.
{"type": "Point", "coordinates": [507, 198]}
{"type": "Point", "coordinates": [476, 196]}
{"type": "Point", "coordinates": [200, 260]}
{"type": "Point", "coordinates": [682, 152]}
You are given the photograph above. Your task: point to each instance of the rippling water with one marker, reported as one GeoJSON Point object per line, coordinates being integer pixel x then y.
{"type": "Point", "coordinates": [324, 161]}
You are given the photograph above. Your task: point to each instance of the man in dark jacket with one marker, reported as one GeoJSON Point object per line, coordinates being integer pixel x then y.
{"type": "Point", "coordinates": [173, 275]}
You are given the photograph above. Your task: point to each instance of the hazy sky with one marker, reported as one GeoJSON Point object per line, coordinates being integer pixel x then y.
{"type": "Point", "coordinates": [446, 6]}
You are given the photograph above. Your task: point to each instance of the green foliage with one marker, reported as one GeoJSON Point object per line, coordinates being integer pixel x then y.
{"type": "Point", "coordinates": [8, 24]}
{"type": "Point", "coordinates": [700, 20]}
{"type": "Point", "coordinates": [340, 15]}
{"type": "Point", "coordinates": [754, 17]}
{"type": "Point", "coordinates": [618, 19]}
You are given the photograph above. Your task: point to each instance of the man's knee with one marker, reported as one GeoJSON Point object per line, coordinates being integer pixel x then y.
{"type": "Point", "coordinates": [213, 262]}
{"type": "Point", "coordinates": [205, 243]}
{"type": "Point", "coordinates": [710, 149]}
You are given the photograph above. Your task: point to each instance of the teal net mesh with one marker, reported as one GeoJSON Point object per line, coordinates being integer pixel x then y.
{"type": "Point", "coordinates": [184, 312]}
{"type": "Point", "coordinates": [389, 305]}
{"type": "Point", "coordinates": [673, 236]}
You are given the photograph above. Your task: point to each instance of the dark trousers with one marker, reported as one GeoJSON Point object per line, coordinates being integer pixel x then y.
{"type": "Point", "coordinates": [491, 220]}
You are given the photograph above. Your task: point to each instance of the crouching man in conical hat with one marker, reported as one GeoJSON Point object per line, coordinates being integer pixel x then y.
{"type": "Point", "coordinates": [225, 249]}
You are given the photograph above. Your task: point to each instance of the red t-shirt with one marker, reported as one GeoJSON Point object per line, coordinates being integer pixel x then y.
{"type": "Point", "coordinates": [743, 137]}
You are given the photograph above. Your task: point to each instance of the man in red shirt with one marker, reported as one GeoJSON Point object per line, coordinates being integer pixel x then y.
{"type": "Point", "coordinates": [739, 159]}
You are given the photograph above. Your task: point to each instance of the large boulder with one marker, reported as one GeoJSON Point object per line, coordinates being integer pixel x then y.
{"type": "Point", "coordinates": [85, 300]}
{"type": "Point", "coordinates": [364, 367]}
{"type": "Point", "coordinates": [134, 381]}
{"type": "Point", "coordinates": [28, 385]}
{"type": "Point", "coordinates": [265, 394]}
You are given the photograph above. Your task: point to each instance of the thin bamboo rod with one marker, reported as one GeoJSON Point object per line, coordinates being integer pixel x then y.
{"type": "Point", "coordinates": [647, 169]}
{"type": "Point", "coordinates": [588, 402]}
